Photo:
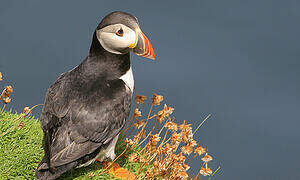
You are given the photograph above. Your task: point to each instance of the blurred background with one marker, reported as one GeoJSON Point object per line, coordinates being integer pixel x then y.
{"type": "Point", "coordinates": [236, 60]}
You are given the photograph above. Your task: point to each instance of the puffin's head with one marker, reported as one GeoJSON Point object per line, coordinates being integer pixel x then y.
{"type": "Point", "coordinates": [119, 33]}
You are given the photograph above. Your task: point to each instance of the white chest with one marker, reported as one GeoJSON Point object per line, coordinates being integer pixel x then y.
{"type": "Point", "coordinates": [128, 79]}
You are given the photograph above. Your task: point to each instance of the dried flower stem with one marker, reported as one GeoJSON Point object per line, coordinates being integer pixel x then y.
{"type": "Point", "coordinates": [23, 115]}
{"type": "Point", "coordinates": [164, 138]}
{"type": "Point", "coordinates": [149, 118]}
{"type": "Point", "coordinates": [200, 170]}
{"type": "Point", "coordinates": [157, 128]}
{"type": "Point", "coordinates": [142, 130]}
{"type": "Point", "coordinates": [148, 134]}
{"type": "Point", "coordinates": [161, 129]}
{"type": "Point", "coordinates": [192, 158]}
{"type": "Point", "coordinates": [130, 123]}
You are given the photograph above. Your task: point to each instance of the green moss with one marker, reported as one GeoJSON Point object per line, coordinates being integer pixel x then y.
{"type": "Point", "coordinates": [21, 150]}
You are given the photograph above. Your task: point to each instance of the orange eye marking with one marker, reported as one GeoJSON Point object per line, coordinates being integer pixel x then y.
{"type": "Point", "coordinates": [120, 32]}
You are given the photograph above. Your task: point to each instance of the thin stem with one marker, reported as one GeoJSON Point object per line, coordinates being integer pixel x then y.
{"type": "Point", "coordinates": [199, 171]}
{"type": "Point", "coordinates": [129, 123]}
{"type": "Point", "coordinates": [191, 159]}
{"type": "Point", "coordinates": [157, 128]}
{"type": "Point", "coordinates": [128, 135]}
{"type": "Point", "coordinates": [201, 123]}
{"type": "Point", "coordinates": [144, 147]}
{"type": "Point", "coordinates": [147, 119]}
{"type": "Point", "coordinates": [164, 139]}
{"type": "Point", "coordinates": [128, 129]}
{"type": "Point", "coordinates": [161, 130]}
{"type": "Point", "coordinates": [148, 116]}
{"type": "Point", "coordinates": [148, 134]}
{"type": "Point", "coordinates": [214, 173]}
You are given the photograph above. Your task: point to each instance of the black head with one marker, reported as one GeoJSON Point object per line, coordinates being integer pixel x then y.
{"type": "Point", "coordinates": [119, 33]}
{"type": "Point", "coordinates": [119, 17]}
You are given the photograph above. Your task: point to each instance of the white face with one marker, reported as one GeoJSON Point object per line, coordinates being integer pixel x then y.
{"type": "Point", "coordinates": [116, 38]}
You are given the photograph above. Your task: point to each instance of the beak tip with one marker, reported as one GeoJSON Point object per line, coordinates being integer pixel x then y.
{"type": "Point", "coordinates": [147, 50]}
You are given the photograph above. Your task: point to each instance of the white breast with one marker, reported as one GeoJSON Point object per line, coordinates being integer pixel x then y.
{"type": "Point", "coordinates": [128, 79]}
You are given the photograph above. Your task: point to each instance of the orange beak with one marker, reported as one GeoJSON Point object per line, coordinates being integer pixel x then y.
{"type": "Point", "coordinates": [142, 46]}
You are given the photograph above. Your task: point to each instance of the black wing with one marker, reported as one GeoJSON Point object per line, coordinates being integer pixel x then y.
{"type": "Point", "coordinates": [77, 119]}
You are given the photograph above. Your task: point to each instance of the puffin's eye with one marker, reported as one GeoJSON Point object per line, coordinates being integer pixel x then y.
{"type": "Point", "coordinates": [120, 32]}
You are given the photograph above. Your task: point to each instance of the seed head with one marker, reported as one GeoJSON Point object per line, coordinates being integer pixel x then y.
{"type": "Point", "coordinates": [20, 125]}
{"type": "Point", "coordinates": [172, 126]}
{"type": "Point", "coordinates": [136, 138]}
{"type": "Point", "coordinates": [155, 164]}
{"type": "Point", "coordinates": [206, 158]}
{"type": "Point", "coordinates": [187, 136]}
{"type": "Point", "coordinates": [205, 171]}
{"type": "Point", "coordinates": [187, 149]}
{"type": "Point", "coordinates": [156, 99]}
{"type": "Point", "coordinates": [185, 126]}
{"type": "Point", "coordinates": [139, 99]}
{"type": "Point", "coordinates": [176, 137]}
{"type": "Point", "coordinates": [8, 89]}
{"type": "Point", "coordinates": [168, 149]}
{"type": "Point", "coordinates": [6, 92]}
{"type": "Point", "coordinates": [134, 158]}
{"type": "Point", "coordinates": [138, 124]}
{"type": "Point", "coordinates": [177, 167]}
{"type": "Point", "coordinates": [163, 173]}
{"type": "Point", "coordinates": [143, 160]}
{"type": "Point", "coordinates": [181, 158]}
{"type": "Point", "coordinates": [6, 100]}
{"type": "Point", "coordinates": [162, 114]}
{"type": "Point", "coordinates": [129, 141]}
{"type": "Point", "coordinates": [26, 110]}
{"type": "Point", "coordinates": [182, 175]}
{"type": "Point", "coordinates": [192, 143]}
{"type": "Point", "coordinates": [200, 150]}
{"type": "Point", "coordinates": [185, 166]}
{"type": "Point", "coordinates": [137, 113]}
{"type": "Point", "coordinates": [154, 139]}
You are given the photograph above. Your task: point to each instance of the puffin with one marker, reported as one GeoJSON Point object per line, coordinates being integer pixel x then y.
{"type": "Point", "coordinates": [86, 108]}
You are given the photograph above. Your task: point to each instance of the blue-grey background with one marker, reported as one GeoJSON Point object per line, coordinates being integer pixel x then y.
{"type": "Point", "coordinates": [237, 60]}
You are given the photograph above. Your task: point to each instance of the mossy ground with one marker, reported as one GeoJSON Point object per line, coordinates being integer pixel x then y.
{"type": "Point", "coordinates": [21, 150]}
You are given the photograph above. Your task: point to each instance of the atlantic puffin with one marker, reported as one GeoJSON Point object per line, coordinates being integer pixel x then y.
{"type": "Point", "coordinates": [86, 108]}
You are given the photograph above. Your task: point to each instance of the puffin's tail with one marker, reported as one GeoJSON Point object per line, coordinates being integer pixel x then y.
{"type": "Point", "coordinates": [45, 174]}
